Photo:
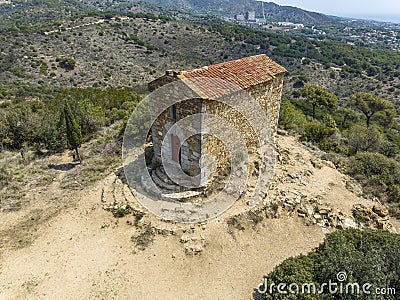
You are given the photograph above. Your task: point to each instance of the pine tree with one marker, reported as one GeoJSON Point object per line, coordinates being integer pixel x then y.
{"type": "Point", "coordinates": [370, 104]}
{"type": "Point", "coordinates": [74, 134]}
{"type": "Point", "coordinates": [318, 96]}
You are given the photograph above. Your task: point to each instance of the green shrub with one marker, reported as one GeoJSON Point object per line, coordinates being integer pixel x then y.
{"type": "Point", "coordinates": [362, 138]}
{"type": "Point", "coordinates": [362, 256]}
{"type": "Point", "coordinates": [394, 210]}
{"type": "Point", "coordinates": [375, 165]}
{"type": "Point", "coordinates": [388, 149]}
{"type": "Point", "coordinates": [91, 117]}
{"type": "Point", "coordinates": [66, 63]}
{"type": "Point", "coordinates": [5, 177]}
{"type": "Point", "coordinates": [329, 121]}
{"type": "Point", "coordinates": [331, 145]}
{"type": "Point", "coordinates": [315, 131]}
{"type": "Point", "coordinates": [290, 117]}
{"type": "Point", "coordinates": [41, 123]}
{"type": "Point", "coordinates": [378, 174]}
{"type": "Point", "coordinates": [303, 78]}
{"type": "Point", "coordinates": [394, 193]}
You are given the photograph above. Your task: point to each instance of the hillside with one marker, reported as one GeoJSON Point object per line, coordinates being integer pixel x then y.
{"type": "Point", "coordinates": [77, 229]}
{"type": "Point", "coordinates": [229, 8]}
{"type": "Point", "coordinates": [92, 54]}
{"type": "Point", "coordinates": [135, 46]}
{"type": "Point", "coordinates": [67, 242]}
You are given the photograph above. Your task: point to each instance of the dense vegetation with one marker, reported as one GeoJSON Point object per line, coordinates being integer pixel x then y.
{"type": "Point", "coordinates": [354, 60]}
{"type": "Point", "coordinates": [362, 257]}
{"type": "Point", "coordinates": [40, 123]}
{"type": "Point", "coordinates": [361, 137]}
{"type": "Point", "coordinates": [338, 66]}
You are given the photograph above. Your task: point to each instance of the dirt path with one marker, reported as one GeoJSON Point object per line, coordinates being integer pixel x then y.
{"type": "Point", "coordinates": [76, 258]}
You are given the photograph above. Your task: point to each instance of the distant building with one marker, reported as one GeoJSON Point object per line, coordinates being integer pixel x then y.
{"type": "Point", "coordinates": [285, 24]}
{"type": "Point", "coordinates": [298, 26]}
{"type": "Point", "coordinates": [251, 16]}
{"type": "Point", "coordinates": [261, 21]}
{"type": "Point", "coordinates": [239, 18]}
{"type": "Point", "coordinates": [290, 24]}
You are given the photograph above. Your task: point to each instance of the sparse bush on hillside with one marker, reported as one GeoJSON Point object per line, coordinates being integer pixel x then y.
{"type": "Point", "coordinates": [290, 117]}
{"type": "Point", "coordinates": [380, 175]}
{"type": "Point", "coordinates": [316, 132]}
{"type": "Point", "coordinates": [364, 139]}
{"type": "Point", "coordinates": [369, 165]}
{"type": "Point", "coordinates": [66, 63]}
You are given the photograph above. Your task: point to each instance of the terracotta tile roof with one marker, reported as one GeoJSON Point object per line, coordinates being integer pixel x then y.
{"type": "Point", "coordinates": [244, 72]}
{"type": "Point", "coordinates": [211, 88]}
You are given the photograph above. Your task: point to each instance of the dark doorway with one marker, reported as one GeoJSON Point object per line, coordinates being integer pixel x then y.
{"type": "Point", "coordinates": [176, 148]}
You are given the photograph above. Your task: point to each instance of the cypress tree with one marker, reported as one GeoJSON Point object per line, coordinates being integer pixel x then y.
{"type": "Point", "coordinates": [74, 134]}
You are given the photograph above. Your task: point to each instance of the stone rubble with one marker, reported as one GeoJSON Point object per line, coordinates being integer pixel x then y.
{"type": "Point", "coordinates": [286, 198]}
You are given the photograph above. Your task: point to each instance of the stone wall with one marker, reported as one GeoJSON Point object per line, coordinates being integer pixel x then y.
{"type": "Point", "coordinates": [206, 154]}
{"type": "Point", "coordinates": [268, 95]}
{"type": "Point", "coordinates": [276, 102]}
{"type": "Point", "coordinates": [245, 119]}
{"type": "Point", "coordinates": [167, 78]}
{"type": "Point", "coordinates": [222, 141]}
{"type": "Point", "coordinates": [165, 126]}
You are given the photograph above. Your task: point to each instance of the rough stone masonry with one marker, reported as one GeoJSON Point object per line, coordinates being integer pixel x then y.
{"type": "Point", "coordinates": [210, 91]}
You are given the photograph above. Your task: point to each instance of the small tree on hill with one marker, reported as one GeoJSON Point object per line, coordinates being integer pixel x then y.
{"type": "Point", "coordinates": [362, 138]}
{"type": "Point", "coordinates": [66, 63]}
{"type": "Point", "coordinates": [370, 104]}
{"type": "Point", "coordinates": [74, 134]}
{"type": "Point", "coordinates": [318, 96]}
{"type": "Point", "coordinates": [350, 117]}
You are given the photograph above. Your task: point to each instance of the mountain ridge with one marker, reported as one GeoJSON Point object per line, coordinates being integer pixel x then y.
{"type": "Point", "coordinates": [273, 11]}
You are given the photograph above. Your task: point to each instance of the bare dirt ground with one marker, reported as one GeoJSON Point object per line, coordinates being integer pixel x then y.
{"type": "Point", "coordinates": [64, 245]}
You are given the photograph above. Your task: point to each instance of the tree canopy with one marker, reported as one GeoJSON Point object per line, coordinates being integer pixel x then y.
{"type": "Point", "coordinates": [370, 104]}
{"type": "Point", "coordinates": [349, 256]}
{"type": "Point", "coordinates": [318, 96]}
{"type": "Point", "coordinates": [74, 134]}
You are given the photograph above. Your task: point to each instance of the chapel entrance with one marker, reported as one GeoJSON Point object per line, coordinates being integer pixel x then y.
{"type": "Point", "coordinates": [176, 148]}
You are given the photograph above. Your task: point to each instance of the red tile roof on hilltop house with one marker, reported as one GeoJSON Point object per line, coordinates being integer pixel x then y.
{"type": "Point", "coordinates": [228, 77]}
{"type": "Point", "coordinates": [244, 72]}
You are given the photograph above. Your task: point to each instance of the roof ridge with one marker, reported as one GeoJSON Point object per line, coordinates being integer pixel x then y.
{"type": "Point", "coordinates": [230, 61]}
{"type": "Point", "coordinates": [244, 72]}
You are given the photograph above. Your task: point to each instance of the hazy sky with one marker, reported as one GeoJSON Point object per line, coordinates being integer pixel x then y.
{"type": "Point", "coordinates": [349, 8]}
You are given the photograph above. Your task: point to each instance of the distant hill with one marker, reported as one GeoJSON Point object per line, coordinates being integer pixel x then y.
{"type": "Point", "coordinates": [229, 8]}
{"type": "Point", "coordinates": [297, 15]}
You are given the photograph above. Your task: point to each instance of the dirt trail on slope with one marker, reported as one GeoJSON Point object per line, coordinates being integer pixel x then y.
{"type": "Point", "coordinates": [73, 249]}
